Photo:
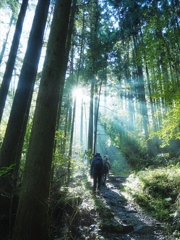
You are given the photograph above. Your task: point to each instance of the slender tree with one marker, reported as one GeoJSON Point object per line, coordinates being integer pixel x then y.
{"type": "Point", "coordinates": [90, 125]}
{"type": "Point", "coordinates": [96, 113]}
{"type": "Point", "coordinates": [12, 57]}
{"type": "Point", "coordinates": [13, 140]}
{"type": "Point", "coordinates": [14, 6]}
{"type": "Point", "coordinates": [32, 218]}
{"type": "Point", "coordinates": [6, 40]}
{"type": "Point", "coordinates": [94, 23]}
{"type": "Point", "coordinates": [68, 47]}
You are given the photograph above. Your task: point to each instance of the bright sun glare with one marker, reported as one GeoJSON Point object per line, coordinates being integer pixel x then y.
{"type": "Point", "coordinates": [80, 94]}
{"type": "Point", "coordinates": [77, 92]}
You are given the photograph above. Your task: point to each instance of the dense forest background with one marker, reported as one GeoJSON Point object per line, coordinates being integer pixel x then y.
{"type": "Point", "coordinates": [69, 66]}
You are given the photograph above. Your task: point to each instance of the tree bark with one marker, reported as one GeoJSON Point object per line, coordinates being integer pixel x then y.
{"type": "Point", "coordinates": [90, 129]}
{"type": "Point", "coordinates": [143, 104]}
{"type": "Point", "coordinates": [5, 41]}
{"type": "Point", "coordinates": [96, 115]}
{"type": "Point", "coordinates": [14, 136]}
{"type": "Point", "coordinates": [93, 18]}
{"type": "Point", "coordinates": [32, 218]}
{"type": "Point", "coordinates": [71, 140]}
{"type": "Point", "coordinates": [12, 57]}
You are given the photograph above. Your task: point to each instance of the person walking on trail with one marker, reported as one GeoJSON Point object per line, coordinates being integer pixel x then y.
{"type": "Point", "coordinates": [106, 168]}
{"type": "Point", "coordinates": [96, 172]}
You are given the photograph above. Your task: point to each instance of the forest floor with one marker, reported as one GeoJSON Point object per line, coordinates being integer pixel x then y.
{"type": "Point", "coordinates": [115, 218]}
{"type": "Point", "coordinates": [109, 215]}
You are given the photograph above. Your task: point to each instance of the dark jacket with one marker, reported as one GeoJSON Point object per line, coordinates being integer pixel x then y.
{"type": "Point", "coordinates": [94, 168]}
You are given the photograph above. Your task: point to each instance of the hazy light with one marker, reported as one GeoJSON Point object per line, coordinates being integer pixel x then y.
{"type": "Point", "coordinates": [77, 92]}
{"type": "Point", "coordinates": [80, 94]}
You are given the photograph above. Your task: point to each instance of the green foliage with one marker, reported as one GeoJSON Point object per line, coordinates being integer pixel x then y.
{"type": "Point", "coordinates": [13, 5]}
{"type": "Point", "coordinates": [89, 154]}
{"type": "Point", "coordinates": [170, 127]}
{"type": "Point", "coordinates": [131, 147]}
{"type": "Point", "coordinates": [119, 166]}
{"type": "Point", "coordinates": [4, 171]}
{"type": "Point", "coordinates": [157, 191]}
{"type": "Point", "coordinates": [60, 160]}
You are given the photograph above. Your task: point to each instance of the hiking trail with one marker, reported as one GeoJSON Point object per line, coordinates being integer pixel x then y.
{"type": "Point", "coordinates": [109, 216]}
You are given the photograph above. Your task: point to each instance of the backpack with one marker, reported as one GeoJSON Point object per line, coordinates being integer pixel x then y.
{"type": "Point", "coordinates": [105, 166]}
{"type": "Point", "coordinates": [105, 163]}
{"type": "Point", "coordinates": [98, 164]}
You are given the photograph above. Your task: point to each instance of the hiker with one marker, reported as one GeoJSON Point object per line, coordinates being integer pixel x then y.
{"type": "Point", "coordinates": [96, 172]}
{"type": "Point", "coordinates": [106, 168]}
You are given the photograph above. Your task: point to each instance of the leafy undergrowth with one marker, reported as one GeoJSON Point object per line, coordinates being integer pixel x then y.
{"type": "Point", "coordinates": [69, 210]}
{"type": "Point", "coordinates": [158, 192]}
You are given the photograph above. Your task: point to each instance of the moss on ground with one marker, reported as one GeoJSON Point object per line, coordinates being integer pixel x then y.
{"type": "Point", "coordinates": [158, 192]}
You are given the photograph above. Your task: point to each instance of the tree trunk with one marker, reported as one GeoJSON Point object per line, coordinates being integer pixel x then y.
{"type": "Point", "coordinates": [32, 218]}
{"type": "Point", "coordinates": [12, 57]}
{"type": "Point", "coordinates": [90, 130]}
{"type": "Point", "coordinates": [143, 104]}
{"type": "Point", "coordinates": [94, 20]}
{"type": "Point", "coordinates": [96, 114]}
{"type": "Point", "coordinates": [14, 136]}
{"type": "Point", "coordinates": [5, 41]}
{"type": "Point", "coordinates": [82, 125]}
{"type": "Point", "coordinates": [71, 141]}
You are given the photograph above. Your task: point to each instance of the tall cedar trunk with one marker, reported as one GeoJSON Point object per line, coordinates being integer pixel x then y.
{"type": "Point", "coordinates": [32, 218]}
{"type": "Point", "coordinates": [5, 41]}
{"type": "Point", "coordinates": [78, 73]}
{"type": "Point", "coordinates": [96, 114]}
{"type": "Point", "coordinates": [68, 46]}
{"type": "Point", "coordinates": [71, 140]}
{"type": "Point", "coordinates": [143, 106]}
{"type": "Point", "coordinates": [129, 95]}
{"type": "Point", "coordinates": [12, 57]}
{"type": "Point", "coordinates": [63, 144]}
{"type": "Point", "coordinates": [94, 17]}
{"type": "Point", "coordinates": [82, 125]}
{"type": "Point", "coordinates": [90, 129]}
{"type": "Point", "coordinates": [73, 119]}
{"type": "Point", "coordinates": [154, 122]}
{"type": "Point", "coordinates": [14, 136]}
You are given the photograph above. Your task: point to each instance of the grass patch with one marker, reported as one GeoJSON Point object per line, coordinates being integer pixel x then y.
{"type": "Point", "coordinates": [158, 191]}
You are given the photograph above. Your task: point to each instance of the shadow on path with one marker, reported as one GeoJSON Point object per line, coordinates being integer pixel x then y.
{"type": "Point", "coordinates": [124, 220]}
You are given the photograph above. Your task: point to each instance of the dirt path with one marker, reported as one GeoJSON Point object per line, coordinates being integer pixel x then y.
{"type": "Point", "coordinates": [126, 220]}
{"type": "Point", "coordinates": [109, 216]}
{"type": "Point", "coordinates": [119, 219]}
